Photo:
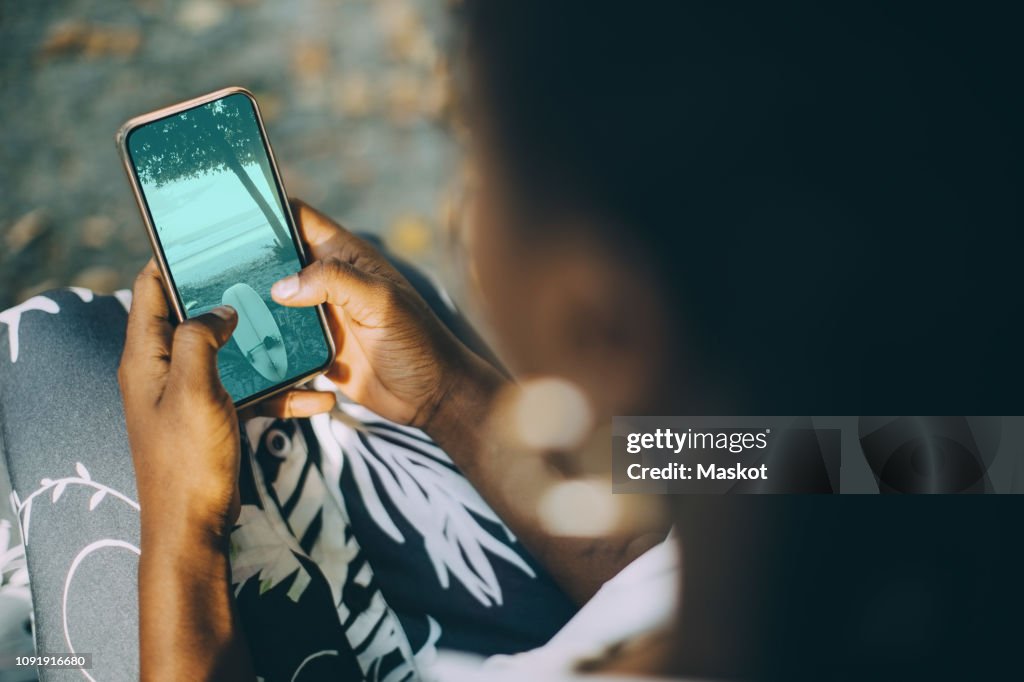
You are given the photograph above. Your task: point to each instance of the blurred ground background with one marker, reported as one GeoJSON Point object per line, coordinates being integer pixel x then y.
{"type": "Point", "coordinates": [353, 92]}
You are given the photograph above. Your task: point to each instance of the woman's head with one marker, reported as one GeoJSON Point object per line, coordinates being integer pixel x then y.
{"type": "Point", "coordinates": [766, 208]}
{"type": "Point", "coordinates": [731, 206]}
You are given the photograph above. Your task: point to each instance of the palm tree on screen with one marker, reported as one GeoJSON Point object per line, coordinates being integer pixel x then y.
{"type": "Point", "coordinates": [217, 136]}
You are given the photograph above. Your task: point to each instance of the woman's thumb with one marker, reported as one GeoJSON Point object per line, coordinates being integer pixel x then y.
{"type": "Point", "coordinates": [326, 281]}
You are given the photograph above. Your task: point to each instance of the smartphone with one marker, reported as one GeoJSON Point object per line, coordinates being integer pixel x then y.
{"type": "Point", "coordinates": [222, 230]}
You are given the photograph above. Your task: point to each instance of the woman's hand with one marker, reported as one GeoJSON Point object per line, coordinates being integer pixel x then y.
{"type": "Point", "coordinates": [183, 432]}
{"type": "Point", "coordinates": [182, 425]}
{"type": "Point", "coordinates": [398, 359]}
{"type": "Point", "coordinates": [394, 355]}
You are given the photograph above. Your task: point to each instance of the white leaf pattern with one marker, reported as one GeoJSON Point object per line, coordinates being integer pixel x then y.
{"type": "Point", "coordinates": [23, 508]}
{"type": "Point", "coordinates": [12, 316]}
{"type": "Point", "coordinates": [374, 632]}
{"type": "Point", "coordinates": [433, 497]}
{"type": "Point", "coordinates": [124, 297]}
{"type": "Point", "coordinates": [257, 551]}
{"type": "Point", "coordinates": [56, 488]}
{"type": "Point", "coordinates": [96, 498]}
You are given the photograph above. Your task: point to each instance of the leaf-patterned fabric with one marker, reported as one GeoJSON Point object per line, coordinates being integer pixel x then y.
{"type": "Point", "coordinates": [359, 552]}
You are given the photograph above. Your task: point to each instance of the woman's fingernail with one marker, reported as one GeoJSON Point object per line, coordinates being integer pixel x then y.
{"type": "Point", "coordinates": [224, 312]}
{"type": "Point", "coordinates": [286, 288]}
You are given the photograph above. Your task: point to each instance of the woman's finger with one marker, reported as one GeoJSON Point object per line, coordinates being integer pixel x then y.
{"type": "Point", "coordinates": [147, 347]}
{"type": "Point", "coordinates": [292, 404]}
{"type": "Point", "coordinates": [327, 239]}
{"type": "Point", "coordinates": [320, 233]}
{"type": "Point", "coordinates": [194, 352]}
{"type": "Point", "coordinates": [326, 281]}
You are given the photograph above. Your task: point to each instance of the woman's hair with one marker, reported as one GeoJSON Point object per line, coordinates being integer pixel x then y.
{"type": "Point", "coordinates": [823, 189]}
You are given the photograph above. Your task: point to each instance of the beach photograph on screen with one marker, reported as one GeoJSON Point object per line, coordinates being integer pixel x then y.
{"type": "Point", "coordinates": [210, 190]}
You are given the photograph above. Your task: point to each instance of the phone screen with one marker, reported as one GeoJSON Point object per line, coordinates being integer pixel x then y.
{"type": "Point", "coordinates": [219, 215]}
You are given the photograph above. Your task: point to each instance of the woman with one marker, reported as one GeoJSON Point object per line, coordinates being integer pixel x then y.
{"type": "Point", "coordinates": [717, 210]}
